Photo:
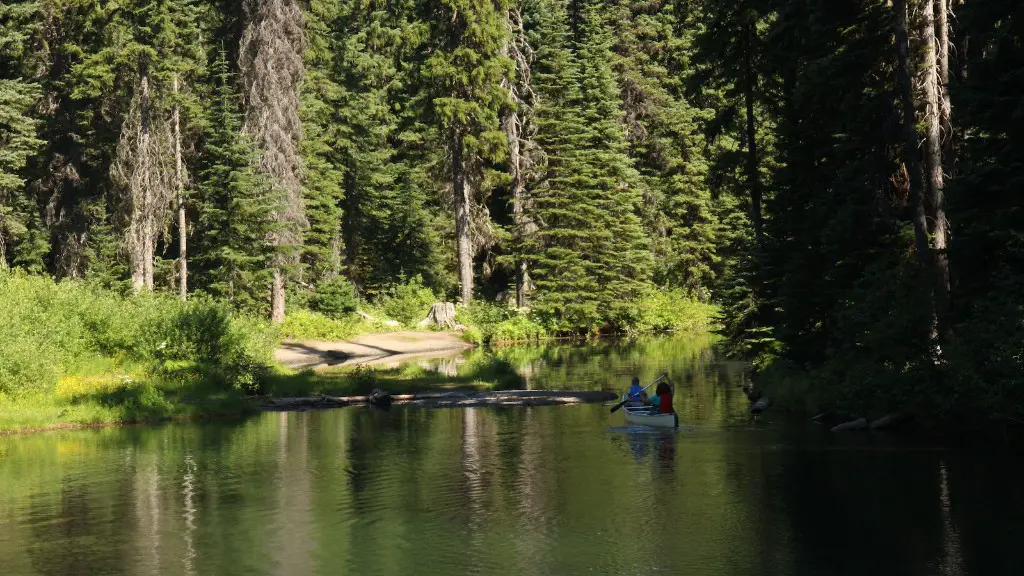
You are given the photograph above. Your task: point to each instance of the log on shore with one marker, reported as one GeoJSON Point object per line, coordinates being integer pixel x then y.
{"type": "Point", "coordinates": [451, 399]}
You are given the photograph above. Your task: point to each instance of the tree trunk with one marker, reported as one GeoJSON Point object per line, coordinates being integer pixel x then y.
{"type": "Point", "coordinates": [462, 218]}
{"type": "Point", "coordinates": [179, 189]}
{"type": "Point", "coordinates": [520, 161]}
{"type": "Point", "coordinates": [911, 159]}
{"type": "Point", "coordinates": [753, 178]}
{"type": "Point", "coordinates": [141, 249]}
{"type": "Point", "coordinates": [277, 297]}
{"type": "Point", "coordinates": [945, 106]}
{"type": "Point", "coordinates": [933, 165]}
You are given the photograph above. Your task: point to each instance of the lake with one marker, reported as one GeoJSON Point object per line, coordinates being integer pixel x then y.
{"type": "Point", "coordinates": [545, 490]}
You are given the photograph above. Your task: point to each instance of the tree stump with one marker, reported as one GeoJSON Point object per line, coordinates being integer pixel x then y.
{"type": "Point", "coordinates": [442, 315]}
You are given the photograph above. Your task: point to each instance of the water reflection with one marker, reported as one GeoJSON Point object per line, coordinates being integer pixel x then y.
{"type": "Point", "coordinates": [534, 491]}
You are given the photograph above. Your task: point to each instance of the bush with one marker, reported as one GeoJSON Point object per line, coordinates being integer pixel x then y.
{"type": "Point", "coordinates": [519, 328]}
{"type": "Point", "coordinates": [407, 303]}
{"type": "Point", "coordinates": [335, 298]}
{"type": "Point", "coordinates": [57, 329]}
{"type": "Point", "coordinates": [670, 309]}
{"type": "Point", "coordinates": [307, 325]}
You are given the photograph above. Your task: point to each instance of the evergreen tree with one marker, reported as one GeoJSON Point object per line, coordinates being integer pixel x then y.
{"type": "Point", "coordinates": [392, 224]}
{"type": "Point", "coordinates": [272, 69]}
{"type": "Point", "coordinates": [620, 253]}
{"type": "Point", "coordinates": [322, 182]}
{"type": "Point", "coordinates": [653, 50]}
{"type": "Point", "coordinates": [590, 256]}
{"type": "Point", "coordinates": [235, 224]}
{"type": "Point", "coordinates": [20, 238]}
{"type": "Point", "coordinates": [465, 73]}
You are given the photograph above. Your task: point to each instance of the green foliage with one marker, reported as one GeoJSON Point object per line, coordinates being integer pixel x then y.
{"type": "Point", "coordinates": [590, 257]}
{"type": "Point", "coordinates": [407, 302]}
{"type": "Point", "coordinates": [59, 329]}
{"type": "Point", "coordinates": [519, 328]}
{"type": "Point", "coordinates": [335, 297]}
{"type": "Point", "coordinates": [671, 309]}
{"type": "Point", "coordinates": [306, 325]}
{"type": "Point", "coordinates": [235, 224]}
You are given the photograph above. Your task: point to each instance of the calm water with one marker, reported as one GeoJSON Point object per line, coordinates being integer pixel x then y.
{"type": "Point", "coordinates": [548, 490]}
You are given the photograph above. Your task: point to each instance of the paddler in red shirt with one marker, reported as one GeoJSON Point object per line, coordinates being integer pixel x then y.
{"type": "Point", "coordinates": [662, 398]}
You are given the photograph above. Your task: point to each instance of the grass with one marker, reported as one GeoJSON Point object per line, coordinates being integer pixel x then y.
{"type": "Point", "coordinates": [123, 394]}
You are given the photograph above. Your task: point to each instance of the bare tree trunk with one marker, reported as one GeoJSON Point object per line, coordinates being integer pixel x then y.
{"type": "Point", "coordinates": [518, 131]}
{"type": "Point", "coordinates": [933, 165]}
{"type": "Point", "coordinates": [140, 245]}
{"type": "Point", "coordinates": [277, 297]}
{"type": "Point", "coordinates": [462, 218]}
{"type": "Point", "coordinates": [179, 188]}
{"type": "Point", "coordinates": [945, 106]}
{"type": "Point", "coordinates": [911, 158]}
{"type": "Point", "coordinates": [753, 178]}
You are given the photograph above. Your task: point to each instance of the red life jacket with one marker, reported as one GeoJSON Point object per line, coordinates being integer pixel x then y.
{"type": "Point", "coordinates": [665, 403]}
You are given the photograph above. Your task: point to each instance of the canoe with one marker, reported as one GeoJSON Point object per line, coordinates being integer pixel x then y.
{"type": "Point", "coordinates": [644, 416]}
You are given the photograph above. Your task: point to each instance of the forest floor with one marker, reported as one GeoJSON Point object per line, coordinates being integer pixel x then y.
{"type": "Point", "coordinates": [368, 349]}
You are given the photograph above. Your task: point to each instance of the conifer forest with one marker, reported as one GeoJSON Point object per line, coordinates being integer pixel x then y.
{"type": "Point", "coordinates": [839, 179]}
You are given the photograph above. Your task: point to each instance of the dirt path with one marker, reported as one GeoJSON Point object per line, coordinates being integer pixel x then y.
{"type": "Point", "coordinates": [370, 349]}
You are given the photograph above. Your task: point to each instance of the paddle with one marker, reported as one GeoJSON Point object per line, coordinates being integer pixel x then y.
{"type": "Point", "coordinates": [623, 403]}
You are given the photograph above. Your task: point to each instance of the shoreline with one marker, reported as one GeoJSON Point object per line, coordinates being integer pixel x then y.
{"type": "Point", "coordinates": [456, 398]}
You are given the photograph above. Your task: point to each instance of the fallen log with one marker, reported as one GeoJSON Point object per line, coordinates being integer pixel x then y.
{"type": "Point", "coordinates": [858, 424]}
{"type": "Point", "coordinates": [888, 421]}
{"type": "Point", "coordinates": [451, 399]}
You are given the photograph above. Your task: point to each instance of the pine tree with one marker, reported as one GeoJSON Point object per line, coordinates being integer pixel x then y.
{"type": "Point", "coordinates": [590, 258]}
{"type": "Point", "coordinates": [20, 241]}
{"type": "Point", "coordinates": [465, 73]}
{"type": "Point", "coordinates": [622, 259]}
{"type": "Point", "coordinates": [322, 180]}
{"type": "Point", "coordinates": [234, 251]}
{"type": "Point", "coordinates": [392, 225]}
{"type": "Point", "coordinates": [653, 49]}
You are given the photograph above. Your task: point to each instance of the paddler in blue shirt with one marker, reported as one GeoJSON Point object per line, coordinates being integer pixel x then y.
{"type": "Point", "coordinates": [635, 391]}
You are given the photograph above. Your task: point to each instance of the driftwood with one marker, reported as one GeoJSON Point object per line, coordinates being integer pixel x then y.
{"type": "Point", "coordinates": [452, 399]}
{"type": "Point", "coordinates": [858, 424]}
{"type": "Point", "coordinates": [889, 421]}
{"type": "Point", "coordinates": [442, 315]}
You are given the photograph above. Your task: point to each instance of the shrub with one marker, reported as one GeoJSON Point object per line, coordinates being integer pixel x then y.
{"type": "Point", "coordinates": [307, 325]}
{"type": "Point", "coordinates": [519, 328]}
{"type": "Point", "coordinates": [56, 329]}
{"type": "Point", "coordinates": [407, 303]}
{"type": "Point", "coordinates": [670, 309]}
{"type": "Point", "coordinates": [335, 298]}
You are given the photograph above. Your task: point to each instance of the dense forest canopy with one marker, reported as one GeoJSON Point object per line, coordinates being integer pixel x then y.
{"type": "Point", "coordinates": [841, 176]}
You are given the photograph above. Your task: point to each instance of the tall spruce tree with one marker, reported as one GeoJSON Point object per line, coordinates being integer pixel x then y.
{"type": "Point", "coordinates": [233, 249]}
{"type": "Point", "coordinates": [323, 171]}
{"type": "Point", "coordinates": [465, 74]}
{"type": "Point", "coordinates": [392, 225]}
{"type": "Point", "coordinates": [589, 254]}
{"type": "Point", "coordinates": [653, 50]}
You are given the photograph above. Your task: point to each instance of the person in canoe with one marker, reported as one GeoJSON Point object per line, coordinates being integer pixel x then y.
{"type": "Point", "coordinates": [662, 399]}
{"type": "Point", "coordinates": [636, 391]}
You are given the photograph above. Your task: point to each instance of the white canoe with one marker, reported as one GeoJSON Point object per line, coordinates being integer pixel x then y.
{"type": "Point", "coordinates": [644, 416]}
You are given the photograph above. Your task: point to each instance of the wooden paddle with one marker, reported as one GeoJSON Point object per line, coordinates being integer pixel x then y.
{"type": "Point", "coordinates": [623, 403]}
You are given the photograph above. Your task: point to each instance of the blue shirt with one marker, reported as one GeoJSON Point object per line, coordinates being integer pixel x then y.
{"type": "Point", "coordinates": [635, 390]}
